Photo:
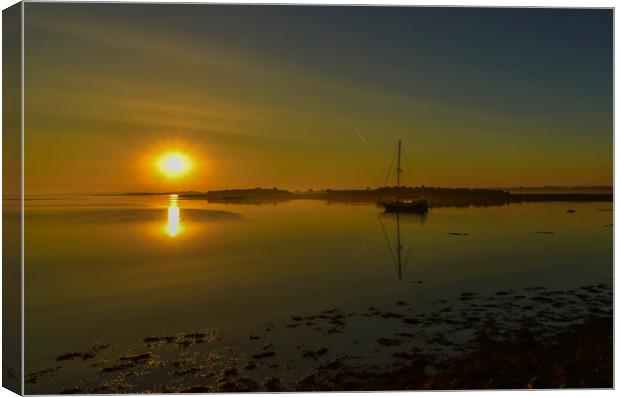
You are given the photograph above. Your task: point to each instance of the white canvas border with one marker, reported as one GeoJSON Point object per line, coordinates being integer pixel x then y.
{"type": "Point", "coordinates": [452, 3]}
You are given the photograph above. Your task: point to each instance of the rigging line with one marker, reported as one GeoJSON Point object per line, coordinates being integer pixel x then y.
{"type": "Point", "coordinates": [388, 175]}
{"type": "Point", "coordinates": [387, 239]}
{"type": "Point", "coordinates": [390, 169]}
{"type": "Point", "coordinates": [407, 163]}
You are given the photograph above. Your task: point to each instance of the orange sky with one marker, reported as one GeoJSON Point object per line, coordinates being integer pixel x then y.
{"type": "Point", "coordinates": [261, 96]}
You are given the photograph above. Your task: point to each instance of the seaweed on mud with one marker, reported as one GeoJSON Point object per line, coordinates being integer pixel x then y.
{"type": "Point", "coordinates": [97, 347]}
{"type": "Point", "coordinates": [409, 320]}
{"type": "Point", "coordinates": [159, 339]}
{"type": "Point", "coordinates": [71, 390]}
{"type": "Point", "coordinates": [69, 356]}
{"type": "Point", "coordinates": [186, 340]}
{"type": "Point", "coordinates": [405, 355]}
{"type": "Point", "coordinates": [91, 353]}
{"type": "Point", "coordinates": [35, 376]}
{"type": "Point", "coordinates": [113, 386]}
{"type": "Point", "coordinates": [309, 382]}
{"type": "Point", "coordinates": [314, 354]}
{"type": "Point", "coordinates": [331, 365]}
{"type": "Point", "coordinates": [542, 299]}
{"type": "Point", "coordinates": [178, 363]}
{"type": "Point", "coordinates": [196, 389]}
{"type": "Point", "coordinates": [273, 384]}
{"type": "Point", "coordinates": [382, 340]}
{"type": "Point", "coordinates": [185, 372]}
{"type": "Point", "coordinates": [262, 355]}
{"type": "Point", "coordinates": [118, 367]}
{"type": "Point", "coordinates": [466, 297]}
{"type": "Point", "coordinates": [134, 358]}
{"type": "Point", "coordinates": [231, 371]}
{"type": "Point", "coordinates": [238, 385]}
{"type": "Point", "coordinates": [250, 365]}
{"type": "Point", "coordinates": [267, 346]}
{"type": "Point", "coordinates": [492, 322]}
{"type": "Point", "coordinates": [127, 362]}
{"type": "Point", "coordinates": [391, 315]}
{"type": "Point", "coordinates": [337, 319]}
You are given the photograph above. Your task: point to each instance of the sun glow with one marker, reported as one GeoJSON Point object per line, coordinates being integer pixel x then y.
{"type": "Point", "coordinates": [174, 164]}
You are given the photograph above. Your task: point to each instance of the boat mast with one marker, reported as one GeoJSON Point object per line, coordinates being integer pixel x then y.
{"type": "Point", "coordinates": [398, 171]}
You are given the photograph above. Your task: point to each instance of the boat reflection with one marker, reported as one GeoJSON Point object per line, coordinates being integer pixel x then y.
{"type": "Point", "coordinates": [396, 249]}
{"type": "Point", "coordinates": [173, 227]}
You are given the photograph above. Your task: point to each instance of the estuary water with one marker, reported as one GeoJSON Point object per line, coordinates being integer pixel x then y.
{"type": "Point", "coordinates": [113, 270]}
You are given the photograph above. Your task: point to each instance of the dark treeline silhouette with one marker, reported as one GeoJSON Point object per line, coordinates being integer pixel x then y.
{"type": "Point", "coordinates": [249, 194]}
{"type": "Point", "coordinates": [434, 195]}
{"type": "Point", "coordinates": [522, 197]}
{"type": "Point", "coordinates": [561, 189]}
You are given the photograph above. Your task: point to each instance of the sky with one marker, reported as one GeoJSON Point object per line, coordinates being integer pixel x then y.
{"type": "Point", "coordinates": [316, 97]}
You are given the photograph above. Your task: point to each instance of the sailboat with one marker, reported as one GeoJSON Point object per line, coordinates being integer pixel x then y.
{"type": "Point", "coordinates": [403, 203]}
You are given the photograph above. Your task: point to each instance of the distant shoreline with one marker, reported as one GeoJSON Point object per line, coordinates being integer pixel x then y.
{"type": "Point", "coordinates": [434, 196]}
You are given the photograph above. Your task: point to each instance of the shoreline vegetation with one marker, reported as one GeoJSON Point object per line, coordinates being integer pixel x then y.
{"type": "Point", "coordinates": [532, 338]}
{"type": "Point", "coordinates": [434, 195]}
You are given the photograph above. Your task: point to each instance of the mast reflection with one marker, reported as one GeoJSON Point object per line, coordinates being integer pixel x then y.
{"type": "Point", "coordinates": [397, 248]}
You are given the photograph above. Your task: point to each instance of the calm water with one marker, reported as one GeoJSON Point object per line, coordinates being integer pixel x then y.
{"type": "Point", "coordinates": [116, 269]}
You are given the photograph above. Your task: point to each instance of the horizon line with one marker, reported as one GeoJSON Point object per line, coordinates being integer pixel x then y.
{"type": "Point", "coordinates": [315, 190]}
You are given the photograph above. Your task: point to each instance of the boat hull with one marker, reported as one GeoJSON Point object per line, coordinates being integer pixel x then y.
{"type": "Point", "coordinates": [418, 206]}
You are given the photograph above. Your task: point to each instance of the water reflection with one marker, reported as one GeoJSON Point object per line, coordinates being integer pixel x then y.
{"type": "Point", "coordinates": [173, 227]}
{"type": "Point", "coordinates": [396, 248]}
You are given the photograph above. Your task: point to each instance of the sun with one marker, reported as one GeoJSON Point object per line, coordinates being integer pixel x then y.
{"type": "Point", "coordinates": [174, 164]}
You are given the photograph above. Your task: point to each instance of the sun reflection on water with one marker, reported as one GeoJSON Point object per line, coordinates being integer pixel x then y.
{"type": "Point", "coordinates": [173, 227]}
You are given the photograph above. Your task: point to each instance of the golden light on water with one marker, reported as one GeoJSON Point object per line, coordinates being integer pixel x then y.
{"type": "Point", "coordinates": [173, 227]}
{"type": "Point", "coordinates": [174, 164]}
